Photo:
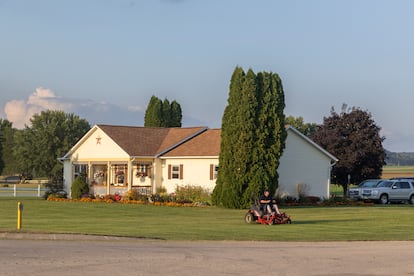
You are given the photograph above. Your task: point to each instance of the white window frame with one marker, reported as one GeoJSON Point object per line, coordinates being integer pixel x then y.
{"type": "Point", "coordinates": [175, 172]}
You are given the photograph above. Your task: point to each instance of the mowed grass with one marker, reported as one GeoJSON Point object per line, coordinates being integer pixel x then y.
{"type": "Point", "coordinates": [390, 222]}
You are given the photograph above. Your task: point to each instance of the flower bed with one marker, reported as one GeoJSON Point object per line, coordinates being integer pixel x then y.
{"type": "Point", "coordinates": [133, 198]}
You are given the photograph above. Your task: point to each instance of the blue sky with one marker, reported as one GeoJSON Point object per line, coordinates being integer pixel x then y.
{"type": "Point", "coordinates": [103, 60]}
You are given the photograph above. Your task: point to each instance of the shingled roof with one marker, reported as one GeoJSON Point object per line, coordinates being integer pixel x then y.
{"type": "Point", "coordinates": [205, 144]}
{"type": "Point", "coordinates": [148, 141]}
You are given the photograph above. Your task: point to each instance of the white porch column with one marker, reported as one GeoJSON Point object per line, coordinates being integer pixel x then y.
{"type": "Point", "coordinates": [154, 177]}
{"type": "Point", "coordinates": [89, 172]}
{"type": "Point", "coordinates": [130, 169]}
{"type": "Point", "coordinates": [108, 171]}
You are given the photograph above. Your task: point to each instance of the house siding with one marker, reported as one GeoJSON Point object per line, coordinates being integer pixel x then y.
{"type": "Point", "coordinates": [303, 165]}
{"type": "Point", "coordinates": [195, 172]}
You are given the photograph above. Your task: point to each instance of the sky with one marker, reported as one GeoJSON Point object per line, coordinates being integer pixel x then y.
{"type": "Point", "coordinates": [103, 60]}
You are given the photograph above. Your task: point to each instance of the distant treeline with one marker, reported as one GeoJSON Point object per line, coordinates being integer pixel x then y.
{"type": "Point", "coordinates": [399, 158]}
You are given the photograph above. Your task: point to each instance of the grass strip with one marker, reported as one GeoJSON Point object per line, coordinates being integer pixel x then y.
{"type": "Point", "coordinates": [370, 223]}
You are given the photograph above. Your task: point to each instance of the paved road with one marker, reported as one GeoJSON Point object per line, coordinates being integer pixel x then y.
{"type": "Point", "coordinates": [31, 254]}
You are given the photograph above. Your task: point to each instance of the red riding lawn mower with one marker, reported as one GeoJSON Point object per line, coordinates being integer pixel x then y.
{"type": "Point", "coordinates": [256, 214]}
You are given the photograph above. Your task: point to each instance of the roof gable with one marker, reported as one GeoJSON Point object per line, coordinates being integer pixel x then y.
{"type": "Point", "coordinates": [312, 143]}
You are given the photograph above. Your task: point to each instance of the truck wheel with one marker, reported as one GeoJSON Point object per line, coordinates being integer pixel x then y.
{"type": "Point", "coordinates": [412, 199]}
{"type": "Point", "coordinates": [383, 199]}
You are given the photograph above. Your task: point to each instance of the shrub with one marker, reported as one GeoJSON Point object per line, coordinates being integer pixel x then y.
{"type": "Point", "coordinates": [191, 193]}
{"type": "Point", "coordinates": [134, 195]}
{"type": "Point", "coordinates": [309, 200]}
{"type": "Point", "coordinates": [161, 190]}
{"type": "Point", "coordinates": [61, 194]}
{"type": "Point", "coordinates": [161, 198]}
{"type": "Point", "coordinates": [55, 187]}
{"type": "Point", "coordinates": [131, 195]}
{"type": "Point", "coordinates": [79, 188]}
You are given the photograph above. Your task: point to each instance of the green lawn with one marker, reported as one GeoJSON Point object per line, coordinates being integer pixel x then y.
{"type": "Point", "coordinates": [391, 222]}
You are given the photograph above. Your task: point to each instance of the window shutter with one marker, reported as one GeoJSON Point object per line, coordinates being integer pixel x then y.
{"type": "Point", "coordinates": [181, 171]}
{"type": "Point", "coordinates": [169, 171]}
{"type": "Point", "coordinates": [211, 171]}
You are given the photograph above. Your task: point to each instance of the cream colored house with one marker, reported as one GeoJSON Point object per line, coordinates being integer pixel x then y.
{"type": "Point", "coordinates": [116, 159]}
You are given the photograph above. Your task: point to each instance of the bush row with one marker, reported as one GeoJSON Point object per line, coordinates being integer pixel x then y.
{"type": "Point", "coordinates": [183, 196]}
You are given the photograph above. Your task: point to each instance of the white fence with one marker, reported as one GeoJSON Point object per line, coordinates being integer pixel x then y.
{"type": "Point", "coordinates": [22, 191]}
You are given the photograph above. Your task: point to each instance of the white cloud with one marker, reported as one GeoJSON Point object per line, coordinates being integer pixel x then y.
{"type": "Point", "coordinates": [46, 99]}
{"type": "Point", "coordinates": [19, 112]}
{"type": "Point", "coordinates": [16, 113]}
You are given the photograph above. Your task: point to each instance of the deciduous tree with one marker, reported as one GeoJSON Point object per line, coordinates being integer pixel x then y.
{"type": "Point", "coordinates": [50, 135]}
{"type": "Point", "coordinates": [2, 139]}
{"type": "Point", "coordinates": [307, 129]}
{"type": "Point", "coordinates": [7, 143]}
{"type": "Point", "coordinates": [354, 138]}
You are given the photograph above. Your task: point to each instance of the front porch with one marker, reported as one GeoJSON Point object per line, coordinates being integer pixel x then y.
{"type": "Point", "coordinates": [115, 177]}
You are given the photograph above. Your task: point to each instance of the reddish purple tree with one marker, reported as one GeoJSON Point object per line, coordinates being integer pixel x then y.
{"type": "Point", "coordinates": [354, 138]}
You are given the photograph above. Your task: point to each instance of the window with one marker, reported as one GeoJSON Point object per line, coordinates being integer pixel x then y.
{"type": "Point", "coordinates": [143, 169]}
{"type": "Point", "coordinates": [175, 172]}
{"type": "Point", "coordinates": [404, 185]}
{"type": "Point", "coordinates": [80, 170]}
{"type": "Point", "coordinates": [119, 172]}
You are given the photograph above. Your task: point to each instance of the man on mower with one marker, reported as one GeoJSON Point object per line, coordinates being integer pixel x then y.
{"type": "Point", "coordinates": [266, 203]}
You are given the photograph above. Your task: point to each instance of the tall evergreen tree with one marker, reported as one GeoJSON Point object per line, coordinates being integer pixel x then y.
{"type": "Point", "coordinates": [163, 113]}
{"type": "Point", "coordinates": [270, 135]}
{"type": "Point", "coordinates": [224, 192]}
{"type": "Point", "coordinates": [252, 138]}
{"type": "Point", "coordinates": [166, 113]}
{"type": "Point", "coordinates": [176, 114]}
{"type": "Point", "coordinates": [250, 104]}
{"type": "Point", "coordinates": [153, 114]}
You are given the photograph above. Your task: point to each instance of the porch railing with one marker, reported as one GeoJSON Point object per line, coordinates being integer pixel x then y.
{"type": "Point", "coordinates": [121, 190]}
